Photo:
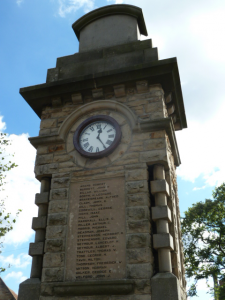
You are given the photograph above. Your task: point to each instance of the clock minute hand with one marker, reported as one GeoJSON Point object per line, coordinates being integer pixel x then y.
{"type": "Point", "coordinates": [100, 140]}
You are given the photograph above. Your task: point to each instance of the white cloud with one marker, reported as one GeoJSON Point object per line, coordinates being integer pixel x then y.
{"type": "Point", "coordinates": [71, 6]}
{"type": "Point", "coordinates": [17, 276]}
{"type": "Point", "coordinates": [21, 261]}
{"type": "Point", "coordinates": [20, 188]}
{"type": "Point", "coordinates": [19, 2]}
{"type": "Point", "coordinates": [2, 124]}
{"type": "Point", "coordinates": [202, 150]}
{"type": "Point", "coordinates": [199, 188]}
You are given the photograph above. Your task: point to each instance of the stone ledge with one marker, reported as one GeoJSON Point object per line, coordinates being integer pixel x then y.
{"type": "Point", "coordinates": [161, 212]}
{"type": "Point", "coordinates": [160, 186]}
{"type": "Point", "coordinates": [107, 287]}
{"type": "Point", "coordinates": [163, 240]}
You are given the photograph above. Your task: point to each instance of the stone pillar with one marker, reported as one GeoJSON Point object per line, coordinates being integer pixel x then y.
{"type": "Point", "coordinates": [163, 241]}
{"type": "Point", "coordinates": [30, 289]}
{"type": "Point", "coordinates": [39, 225]}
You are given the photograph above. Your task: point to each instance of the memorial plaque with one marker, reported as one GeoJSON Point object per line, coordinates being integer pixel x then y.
{"type": "Point", "coordinates": [96, 247]}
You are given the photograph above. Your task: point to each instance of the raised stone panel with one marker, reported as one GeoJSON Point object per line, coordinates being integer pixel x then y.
{"type": "Point", "coordinates": [96, 238]}
{"type": "Point", "coordinates": [140, 240]}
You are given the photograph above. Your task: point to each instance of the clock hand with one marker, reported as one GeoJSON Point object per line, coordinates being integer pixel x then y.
{"type": "Point", "coordinates": [101, 141]}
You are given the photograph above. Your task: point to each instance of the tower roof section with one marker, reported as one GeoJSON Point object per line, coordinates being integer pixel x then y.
{"type": "Point", "coordinates": [117, 9]}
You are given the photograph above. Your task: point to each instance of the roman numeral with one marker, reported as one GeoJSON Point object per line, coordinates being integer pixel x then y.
{"type": "Point", "coordinates": [86, 145]}
{"type": "Point", "coordinates": [111, 136]}
{"type": "Point", "coordinates": [90, 149]}
{"type": "Point", "coordinates": [92, 128]}
{"type": "Point", "coordinates": [85, 140]}
{"type": "Point", "coordinates": [97, 149]}
{"type": "Point", "coordinates": [109, 130]}
{"type": "Point", "coordinates": [105, 126]}
{"type": "Point", "coordinates": [98, 126]}
{"type": "Point", "coordinates": [109, 142]}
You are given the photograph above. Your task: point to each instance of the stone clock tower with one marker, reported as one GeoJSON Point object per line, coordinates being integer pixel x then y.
{"type": "Point", "coordinates": [108, 224]}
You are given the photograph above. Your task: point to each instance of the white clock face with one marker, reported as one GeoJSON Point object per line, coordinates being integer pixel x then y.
{"type": "Point", "coordinates": [97, 136]}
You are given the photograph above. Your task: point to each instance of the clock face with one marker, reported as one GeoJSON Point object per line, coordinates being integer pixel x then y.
{"type": "Point", "coordinates": [97, 136]}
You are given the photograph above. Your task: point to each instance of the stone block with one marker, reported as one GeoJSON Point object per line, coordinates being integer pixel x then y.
{"type": "Point", "coordinates": [54, 246]}
{"type": "Point", "coordinates": [97, 93]}
{"type": "Point", "coordinates": [56, 148]}
{"type": "Point", "coordinates": [30, 289]}
{"type": "Point", "coordinates": [44, 159]}
{"type": "Point", "coordinates": [55, 232]}
{"type": "Point", "coordinates": [94, 289]}
{"type": "Point", "coordinates": [43, 132]}
{"type": "Point", "coordinates": [49, 123]}
{"type": "Point", "coordinates": [138, 226]}
{"type": "Point", "coordinates": [52, 274]}
{"type": "Point", "coordinates": [39, 223]}
{"type": "Point", "coordinates": [52, 260]}
{"type": "Point", "coordinates": [57, 206]}
{"type": "Point", "coordinates": [129, 297]}
{"type": "Point", "coordinates": [42, 150]}
{"type": "Point", "coordinates": [36, 248]}
{"type": "Point", "coordinates": [119, 90]}
{"type": "Point", "coordinates": [154, 107]}
{"type": "Point", "coordinates": [170, 284]}
{"type": "Point", "coordinates": [138, 174]}
{"type": "Point", "coordinates": [57, 219]}
{"type": "Point", "coordinates": [59, 194]}
{"type": "Point", "coordinates": [126, 134]}
{"type": "Point", "coordinates": [163, 240]}
{"type": "Point", "coordinates": [154, 156]}
{"type": "Point", "coordinates": [138, 200]}
{"type": "Point", "coordinates": [142, 286]}
{"type": "Point", "coordinates": [56, 101]}
{"type": "Point", "coordinates": [137, 213]}
{"type": "Point", "coordinates": [142, 86]}
{"type": "Point", "coordinates": [154, 144]}
{"type": "Point", "coordinates": [139, 271]}
{"type": "Point", "coordinates": [48, 169]}
{"type": "Point", "coordinates": [77, 98]}
{"type": "Point", "coordinates": [58, 183]}
{"type": "Point", "coordinates": [41, 198]}
{"type": "Point", "coordinates": [160, 186]}
{"type": "Point", "coordinates": [137, 187]}
{"type": "Point", "coordinates": [66, 164]}
{"type": "Point", "coordinates": [161, 212]}
{"type": "Point", "coordinates": [140, 240]}
{"type": "Point", "coordinates": [139, 255]}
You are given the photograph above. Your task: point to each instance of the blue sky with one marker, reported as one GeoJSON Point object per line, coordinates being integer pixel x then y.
{"type": "Point", "coordinates": [34, 33]}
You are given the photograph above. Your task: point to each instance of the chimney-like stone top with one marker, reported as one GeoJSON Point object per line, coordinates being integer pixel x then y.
{"type": "Point", "coordinates": [109, 26]}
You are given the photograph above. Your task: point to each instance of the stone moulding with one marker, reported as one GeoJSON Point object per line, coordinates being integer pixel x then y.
{"type": "Point", "coordinates": [123, 9]}
{"type": "Point", "coordinates": [109, 287]}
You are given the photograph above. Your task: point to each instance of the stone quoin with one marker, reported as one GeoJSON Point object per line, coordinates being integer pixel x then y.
{"type": "Point", "coordinates": [108, 224]}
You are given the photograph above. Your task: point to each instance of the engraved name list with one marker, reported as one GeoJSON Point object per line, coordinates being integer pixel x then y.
{"type": "Point", "coordinates": [98, 229]}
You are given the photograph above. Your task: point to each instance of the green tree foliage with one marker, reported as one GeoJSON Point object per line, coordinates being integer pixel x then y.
{"type": "Point", "coordinates": [203, 229]}
{"type": "Point", "coordinates": [6, 223]}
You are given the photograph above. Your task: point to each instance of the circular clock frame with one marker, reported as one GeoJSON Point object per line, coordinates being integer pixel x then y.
{"type": "Point", "coordinates": [94, 119]}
